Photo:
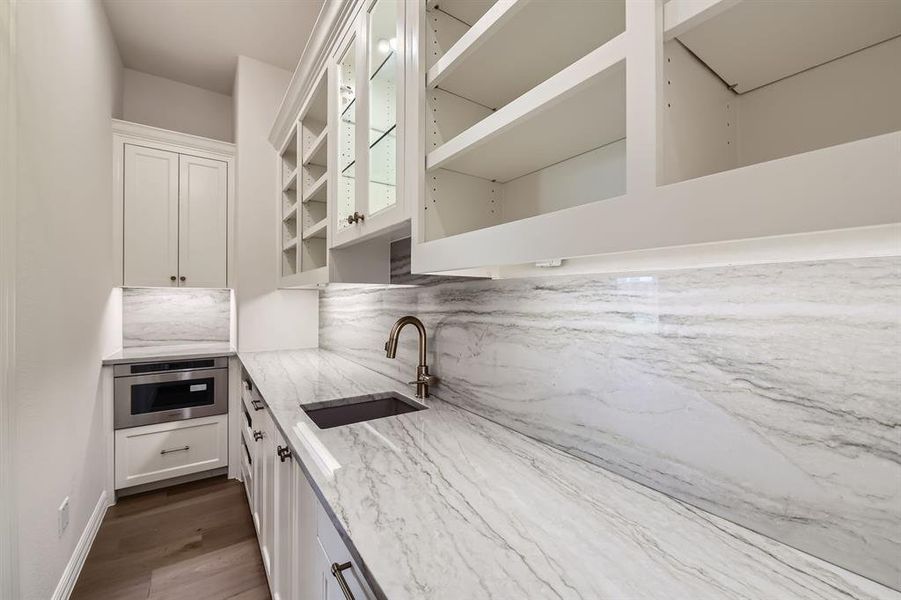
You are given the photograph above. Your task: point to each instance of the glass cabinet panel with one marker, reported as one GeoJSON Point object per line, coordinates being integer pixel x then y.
{"type": "Point", "coordinates": [346, 80]}
{"type": "Point", "coordinates": [383, 79]}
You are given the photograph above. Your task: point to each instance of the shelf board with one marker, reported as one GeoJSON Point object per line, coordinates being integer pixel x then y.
{"type": "Point", "coordinates": [481, 30]}
{"type": "Point", "coordinates": [291, 214]}
{"type": "Point", "coordinates": [750, 44]}
{"type": "Point", "coordinates": [290, 245]}
{"type": "Point", "coordinates": [291, 183]}
{"type": "Point", "coordinates": [317, 230]}
{"type": "Point", "coordinates": [311, 278]}
{"type": "Point", "coordinates": [807, 192]}
{"type": "Point", "coordinates": [502, 55]}
{"type": "Point", "coordinates": [316, 193]}
{"type": "Point", "coordinates": [317, 153]}
{"type": "Point", "coordinates": [576, 110]}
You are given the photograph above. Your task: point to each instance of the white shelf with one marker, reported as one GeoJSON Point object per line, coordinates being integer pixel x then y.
{"type": "Point", "coordinates": [290, 245]}
{"type": "Point", "coordinates": [578, 109]}
{"type": "Point", "coordinates": [311, 278]}
{"type": "Point", "coordinates": [317, 153]}
{"type": "Point", "coordinates": [809, 192]}
{"type": "Point", "coordinates": [481, 30]}
{"type": "Point", "coordinates": [750, 44]}
{"type": "Point", "coordinates": [291, 183]}
{"type": "Point", "coordinates": [317, 230]}
{"type": "Point", "coordinates": [292, 213]}
{"type": "Point", "coordinates": [517, 44]}
{"type": "Point", "coordinates": [316, 193]}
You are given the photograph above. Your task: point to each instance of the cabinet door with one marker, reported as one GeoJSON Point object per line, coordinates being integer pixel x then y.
{"type": "Point", "coordinates": [283, 543]}
{"type": "Point", "coordinates": [151, 217]}
{"type": "Point", "coordinates": [309, 560]}
{"type": "Point", "coordinates": [348, 187]}
{"type": "Point", "coordinates": [203, 222]}
{"type": "Point", "coordinates": [266, 499]}
{"type": "Point", "coordinates": [384, 102]}
{"type": "Point", "coordinates": [336, 553]}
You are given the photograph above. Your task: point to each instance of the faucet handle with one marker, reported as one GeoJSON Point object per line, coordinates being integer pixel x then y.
{"type": "Point", "coordinates": [428, 379]}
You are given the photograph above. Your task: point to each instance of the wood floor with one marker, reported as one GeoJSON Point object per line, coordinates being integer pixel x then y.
{"type": "Point", "coordinates": [194, 541]}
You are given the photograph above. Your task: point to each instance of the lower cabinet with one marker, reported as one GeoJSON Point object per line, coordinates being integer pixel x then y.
{"type": "Point", "coordinates": [303, 554]}
{"type": "Point", "coordinates": [165, 450]}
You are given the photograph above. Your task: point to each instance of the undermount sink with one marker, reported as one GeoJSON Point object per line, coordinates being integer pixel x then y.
{"type": "Point", "coordinates": [344, 411]}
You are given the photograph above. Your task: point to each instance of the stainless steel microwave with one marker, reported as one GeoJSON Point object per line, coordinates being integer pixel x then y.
{"type": "Point", "coordinates": [158, 392]}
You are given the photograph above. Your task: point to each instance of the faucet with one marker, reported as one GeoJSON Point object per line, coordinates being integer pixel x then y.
{"type": "Point", "coordinates": [423, 379]}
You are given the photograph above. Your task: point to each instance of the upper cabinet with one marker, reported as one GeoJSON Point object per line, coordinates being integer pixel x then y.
{"type": "Point", "coordinates": [367, 75]}
{"type": "Point", "coordinates": [520, 132]}
{"type": "Point", "coordinates": [172, 203]}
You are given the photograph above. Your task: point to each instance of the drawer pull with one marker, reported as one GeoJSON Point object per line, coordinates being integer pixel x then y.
{"type": "Point", "coordinates": [337, 572]}
{"type": "Point", "coordinates": [284, 453]}
{"type": "Point", "coordinates": [257, 436]}
{"type": "Point", "coordinates": [185, 449]}
{"type": "Point", "coordinates": [257, 404]}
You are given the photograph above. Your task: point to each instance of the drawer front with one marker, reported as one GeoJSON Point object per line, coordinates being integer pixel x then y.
{"type": "Point", "coordinates": [166, 450]}
{"type": "Point", "coordinates": [336, 553]}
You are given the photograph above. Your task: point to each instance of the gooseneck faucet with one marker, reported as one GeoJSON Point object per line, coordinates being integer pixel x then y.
{"type": "Point", "coordinates": [423, 379]}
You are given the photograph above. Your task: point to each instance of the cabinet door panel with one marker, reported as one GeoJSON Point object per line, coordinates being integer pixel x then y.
{"type": "Point", "coordinates": [151, 217]}
{"type": "Point", "coordinates": [283, 546]}
{"type": "Point", "coordinates": [203, 221]}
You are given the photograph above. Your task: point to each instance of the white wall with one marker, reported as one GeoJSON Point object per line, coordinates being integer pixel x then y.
{"type": "Point", "coordinates": [169, 104]}
{"type": "Point", "coordinates": [268, 318]}
{"type": "Point", "coordinates": [68, 86]}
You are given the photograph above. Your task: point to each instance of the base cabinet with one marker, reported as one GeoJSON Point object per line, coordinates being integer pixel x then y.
{"type": "Point", "coordinates": [298, 542]}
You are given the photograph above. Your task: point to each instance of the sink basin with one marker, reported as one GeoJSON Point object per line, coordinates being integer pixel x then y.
{"type": "Point", "coordinates": [344, 411]}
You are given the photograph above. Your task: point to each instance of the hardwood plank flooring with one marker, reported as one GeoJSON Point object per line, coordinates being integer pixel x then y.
{"type": "Point", "coordinates": [193, 541]}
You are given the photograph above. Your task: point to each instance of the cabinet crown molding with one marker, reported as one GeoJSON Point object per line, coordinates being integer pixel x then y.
{"type": "Point", "coordinates": [137, 131]}
{"type": "Point", "coordinates": [333, 16]}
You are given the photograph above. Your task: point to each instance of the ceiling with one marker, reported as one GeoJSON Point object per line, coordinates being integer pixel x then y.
{"type": "Point", "coordinates": [198, 41]}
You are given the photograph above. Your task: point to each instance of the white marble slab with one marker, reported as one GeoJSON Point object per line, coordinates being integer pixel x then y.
{"type": "Point", "coordinates": [178, 351]}
{"type": "Point", "coordinates": [163, 316]}
{"type": "Point", "coordinates": [445, 505]}
{"type": "Point", "coordinates": [767, 394]}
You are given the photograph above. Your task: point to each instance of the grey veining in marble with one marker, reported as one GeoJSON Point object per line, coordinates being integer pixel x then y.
{"type": "Point", "coordinates": [442, 504]}
{"type": "Point", "coordinates": [163, 316]}
{"type": "Point", "coordinates": [766, 394]}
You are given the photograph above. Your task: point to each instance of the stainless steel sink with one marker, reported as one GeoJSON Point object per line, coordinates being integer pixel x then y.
{"type": "Point", "coordinates": [344, 411]}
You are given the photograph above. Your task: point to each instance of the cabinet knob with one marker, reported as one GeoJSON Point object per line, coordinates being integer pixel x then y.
{"type": "Point", "coordinates": [172, 278]}
{"type": "Point", "coordinates": [355, 218]}
{"type": "Point", "coordinates": [350, 220]}
{"type": "Point", "coordinates": [182, 278]}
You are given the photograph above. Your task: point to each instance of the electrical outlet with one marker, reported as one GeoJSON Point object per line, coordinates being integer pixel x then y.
{"type": "Point", "coordinates": [63, 515]}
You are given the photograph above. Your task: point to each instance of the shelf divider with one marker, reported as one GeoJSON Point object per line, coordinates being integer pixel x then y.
{"type": "Point", "coordinates": [315, 191]}
{"type": "Point", "coordinates": [317, 230]}
{"type": "Point", "coordinates": [316, 149]}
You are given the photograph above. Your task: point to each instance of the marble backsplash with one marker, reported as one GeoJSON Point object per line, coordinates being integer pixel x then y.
{"type": "Point", "coordinates": [766, 394]}
{"type": "Point", "coordinates": [162, 316]}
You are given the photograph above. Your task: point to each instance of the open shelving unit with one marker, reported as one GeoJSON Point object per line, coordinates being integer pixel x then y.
{"type": "Point", "coordinates": [745, 120]}
{"type": "Point", "coordinates": [288, 170]}
{"type": "Point", "coordinates": [748, 82]}
{"type": "Point", "coordinates": [313, 127]}
{"type": "Point", "coordinates": [516, 128]}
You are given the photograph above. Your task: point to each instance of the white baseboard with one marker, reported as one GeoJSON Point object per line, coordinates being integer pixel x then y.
{"type": "Point", "coordinates": [73, 569]}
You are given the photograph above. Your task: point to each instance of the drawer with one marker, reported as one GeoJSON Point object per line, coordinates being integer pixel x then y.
{"type": "Point", "coordinates": [250, 398]}
{"type": "Point", "coordinates": [336, 553]}
{"type": "Point", "coordinates": [165, 450]}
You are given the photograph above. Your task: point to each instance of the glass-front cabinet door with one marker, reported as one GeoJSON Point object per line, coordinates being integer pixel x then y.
{"type": "Point", "coordinates": [369, 80]}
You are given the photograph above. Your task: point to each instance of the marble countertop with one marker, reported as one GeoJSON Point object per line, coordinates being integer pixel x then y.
{"type": "Point", "coordinates": [165, 352]}
{"type": "Point", "coordinates": [442, 504]}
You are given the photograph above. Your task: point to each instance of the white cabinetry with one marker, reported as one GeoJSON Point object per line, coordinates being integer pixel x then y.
{"type": "Point", "coordinates": [166, 450]}
{"type": "Point", "coordinates": [643, 125]}
{"type": "Point", "coordinates": [172, 203]}
{"type": "Point", "coordinates": [304, 556]}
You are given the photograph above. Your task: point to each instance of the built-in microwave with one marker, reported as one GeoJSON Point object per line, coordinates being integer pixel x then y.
{"type": "Point", "coordinates": [157, 392]}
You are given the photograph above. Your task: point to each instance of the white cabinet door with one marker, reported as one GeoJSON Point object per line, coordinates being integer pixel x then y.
{"type": "Point", "coordinates": [203, 222]}
{"type": "Point", "coordinates": [309, 560]}
{"type": "Point", "coordinates": [266, 497]}
{"type": "Point", "coordinates": [151, 217]}
{"type": "Point", "coordinates": [338, 555]}
{"type": "Point", "coordinates": [283, 543]}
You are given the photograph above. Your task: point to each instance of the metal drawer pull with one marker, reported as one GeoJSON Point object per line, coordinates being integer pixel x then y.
{"type": "Point", "coordinates": [257, 436]}
{"type": "Point", "coordinates": [284, 453]}
{"type": "Point", "coordinates": [336, 571]}
{"type": "Point", "coordinates": [257, 404]}
{"type": "Point", "coordinates": [185, 449]}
